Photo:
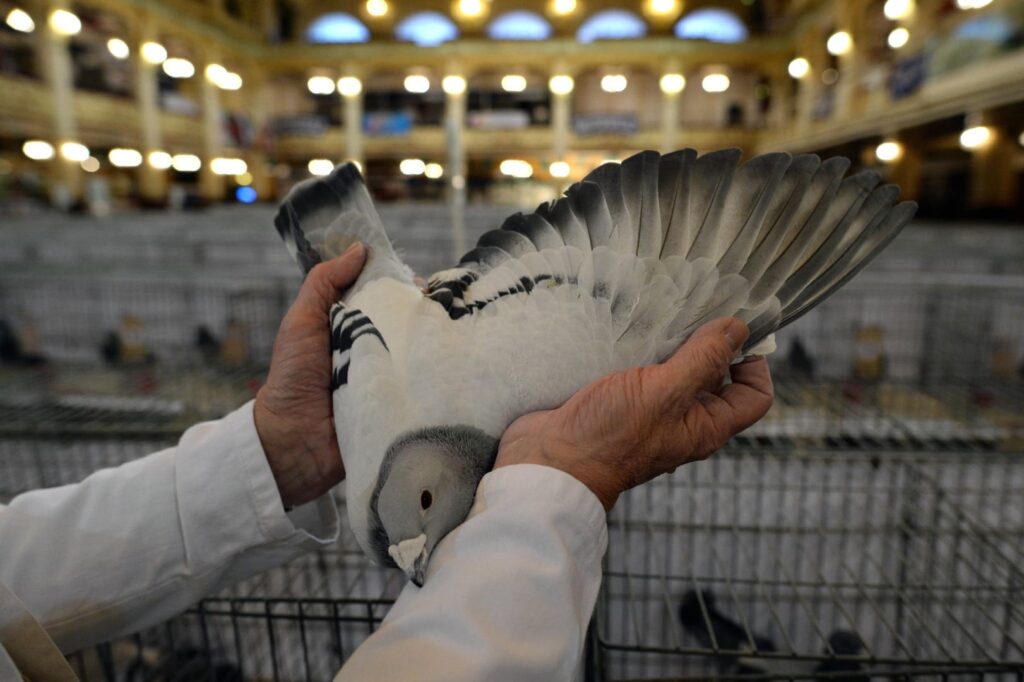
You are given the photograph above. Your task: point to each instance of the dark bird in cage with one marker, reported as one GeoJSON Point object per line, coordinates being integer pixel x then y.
{"type": "Point", "coordinates": [207, 344]}
{"type": "Point", "coordinates": [799, 360]}
{"type": "Point", "coordinates": [617, 273]}
{"type": "Point", "coordinates": [714, 630]}
{"type": "Point", "coordinates": [12, 350]}
{"type": "Point", "coordinates": [843, 643]}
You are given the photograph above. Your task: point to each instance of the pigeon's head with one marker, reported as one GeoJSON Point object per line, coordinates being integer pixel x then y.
{"type": "Point", "coordinates": [426, 487]}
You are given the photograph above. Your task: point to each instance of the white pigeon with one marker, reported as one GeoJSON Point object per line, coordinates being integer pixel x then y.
{"type": "Point", "coordinates": [615, 274]}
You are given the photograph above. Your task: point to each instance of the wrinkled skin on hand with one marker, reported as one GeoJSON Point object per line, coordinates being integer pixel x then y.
{"type": "Point", "coordinates": [629, 427]}
{"type": "Point", "coordinates": [293, 412]}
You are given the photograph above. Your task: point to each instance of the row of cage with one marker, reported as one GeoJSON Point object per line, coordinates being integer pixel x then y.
{"type": "Point", "coordinates": [864, 556]}
{"type": "Point", "coordinates": [752, 565]}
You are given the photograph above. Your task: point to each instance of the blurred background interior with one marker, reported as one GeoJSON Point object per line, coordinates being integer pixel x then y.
{"type": "Point", "coordinates": [872, 526]}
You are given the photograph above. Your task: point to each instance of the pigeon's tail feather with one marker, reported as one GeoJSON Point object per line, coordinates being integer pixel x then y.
{"type": "Point", "coordinates": [322, 217]}
{"type": "Point", "coordinates": [670, 242]}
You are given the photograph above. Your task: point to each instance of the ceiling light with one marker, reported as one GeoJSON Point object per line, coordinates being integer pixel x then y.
{"type": "Point", "coordinates": [74, 151]}
{"type": "Point", "coordinates": [349, 86]}
{"type": "Point", "coordinates": [516, 168]}
{"type": "Point", "coordinates": [513, 83]}
{"type": "Point", "coordinates": [320, 167]}
{"type": "Point", "coordinates": [38, 150]}
{"type": "Point", "coordinates": [799, 67]}
{"type": "Point", "coordinates": [222, 166]}
{"type": "Point", "coordinates": [470, 8]}
{"type": "Point", "coordinates": [454, 85]}
{"type": "Point", "coordinates": [715, 82]}
{"type": "Point", "coordinates": [412, 167]}
{"type": "Point", "coordinates": [124, 158]}
{"type": "Point", "coordinates": [244, 178]}
{"type": "Point", "coordinates": [889, 151]}
{"type": "Point", "coordinates": [320, 85]}
{"type": "Point", "coordinates": [672, 83]}
{"type": "Point", "coordinates": [19, 20]}
{"type": "Point", "coordinates": [91, 164]}
{"type": "Point", "coordinates": [118, 48]}
{"type": "Point", "coordinates": [65, 23]}
{"type": "Point", "coordinates": [214, 72]}
{"type": "Point", "coordinates": [898, 9]}
{"type": "Point", "coordinates": [975, 137]}
{"type": "Point", "coordinates": [839, 43]}
{"type": "Point", "coordinates": [186, 163]}
{"type": "Point", "coordinates": [559, 169]}
{"type": "Point", "coordinates": [662, 7]}
{"type": "Point", "coordinates": [153, 53]}
{"type": "Point", "coordinates": [898, 37]}
{"type": "Point", "coordinates": [1020, 139]}
{"type": "Point", "coordinates": [176, 67]}
{"type": "Point", "coordinates": [563, 7]}
{"type": "Point", "coordinates": [433, 170]}
{"type": "Point", "coordinates": [972, 4]}
{"type": "Point", "coordinates": [230, 81]}
{"type": "Point", "coordinates": [614, 82]}
{"type": "Point", "coordinates": [417, 84]}
{"type": "Point", "coordinates": [159, 160]}
{"type": "Point", "coordinates": [376, 8]}
{"type": "Point", "coordinates": [561, 84]}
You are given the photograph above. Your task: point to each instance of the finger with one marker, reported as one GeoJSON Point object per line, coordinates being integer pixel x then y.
{"type": "Point", "coordinates": [326, 279]}
{"type": "Point", "coordinates": [743, 402]}
{"type": "Point", "coordinates": [702, 362]}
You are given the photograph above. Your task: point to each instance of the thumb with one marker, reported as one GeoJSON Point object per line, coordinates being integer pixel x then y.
{"type": "Point", "coordinates": [326, 279]}
{"type": "Point", "coordinates": [702, 362]}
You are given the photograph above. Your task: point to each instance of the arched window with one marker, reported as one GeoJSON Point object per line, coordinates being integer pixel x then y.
{"type": "Point", "coordinates": [337, 27]}
{"type": "Point", "coordinates": [519, 25]}
{"type": "Point", "coordinates": [426, 29]}
{"type": "Point", "coordinates": [611, 24]}
{"type": "Point", "coordinates": [716, 25]}
{"type": "Point", "coordinates": [993, 28]}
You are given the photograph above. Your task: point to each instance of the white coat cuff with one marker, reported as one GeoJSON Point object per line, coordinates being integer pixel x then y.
{"type": "Point", "coordinates": [229, 496]}
{"type": "Point", "coordinates": [556, 495]}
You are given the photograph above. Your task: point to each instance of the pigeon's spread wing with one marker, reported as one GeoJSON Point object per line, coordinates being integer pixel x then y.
{"type": "Point", "coordinates": [670, 242]}
{"type": "Point", "coordinates": [321, 217]}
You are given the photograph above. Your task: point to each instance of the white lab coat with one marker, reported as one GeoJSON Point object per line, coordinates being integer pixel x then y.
{"type": "Point", "coordinates": [508, 594]}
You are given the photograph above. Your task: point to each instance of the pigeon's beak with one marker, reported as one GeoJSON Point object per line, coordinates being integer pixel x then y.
{"type": "Point", "coordinates": [411, 556]}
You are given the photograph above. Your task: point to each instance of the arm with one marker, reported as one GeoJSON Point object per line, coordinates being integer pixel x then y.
{"type": "Point", "coordinates": [510, 592]}
{"type": "Point", "coordinates": [131, 546]}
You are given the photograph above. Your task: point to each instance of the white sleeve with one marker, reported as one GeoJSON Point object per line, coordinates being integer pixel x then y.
{"type": "Point", "coordinates": [131, 546]}
{"type": "Point", "coordinates": [508, 594]}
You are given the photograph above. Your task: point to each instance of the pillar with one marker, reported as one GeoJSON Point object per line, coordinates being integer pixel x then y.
{"type": "Point", "coordinates": [669, 112]}
{"type": "Point", "coordinates": [561, 117]}
{"type": "Point", "coordinates": [352, 119]}
{"type": "Point", "coordinates": [211, 185]}
{"type": "Point", "coordinates": [455, 125]}
{"type": "Point", "coordinates": [152, 181]}
{"type": "Point", "coordinates": [58, 73]}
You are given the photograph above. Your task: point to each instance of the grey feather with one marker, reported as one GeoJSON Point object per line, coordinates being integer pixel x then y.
{"type": "Point", "coordinates": [321, 217]}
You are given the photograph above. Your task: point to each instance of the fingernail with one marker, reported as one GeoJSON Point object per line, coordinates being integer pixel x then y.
{"type": "Point", "coordinates": [735, 334]}
{"type": "Point", "coordinates": [353, 249]}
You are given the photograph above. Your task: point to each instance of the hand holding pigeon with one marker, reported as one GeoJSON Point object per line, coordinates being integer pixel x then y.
{"type": "Point", "coordinates": [632, 426]}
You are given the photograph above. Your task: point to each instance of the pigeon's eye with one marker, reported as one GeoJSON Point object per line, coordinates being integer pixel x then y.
{"type": "Point", "coordinates": [426, 499]}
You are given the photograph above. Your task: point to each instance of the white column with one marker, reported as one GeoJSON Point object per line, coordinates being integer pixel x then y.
{"type": "Point", "coordinates": [152, 182]}
{"type": "Point", "coordinates": [455, 124]}
{"type": "Point", "coordinates": [59, 76]}
{"type": "Point", "coordinates": [353, 122]}
{"type": "Point", "coordinates": [211, 185]}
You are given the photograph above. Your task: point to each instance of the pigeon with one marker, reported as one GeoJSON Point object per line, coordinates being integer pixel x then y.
{"type": "Point", "coordinates": [616, 273]}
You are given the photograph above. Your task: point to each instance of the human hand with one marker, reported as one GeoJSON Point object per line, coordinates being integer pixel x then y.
{"type": "Point", "coordinates": [629, 427]}
{"type": "Point", "coordinates": [293, 413]}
